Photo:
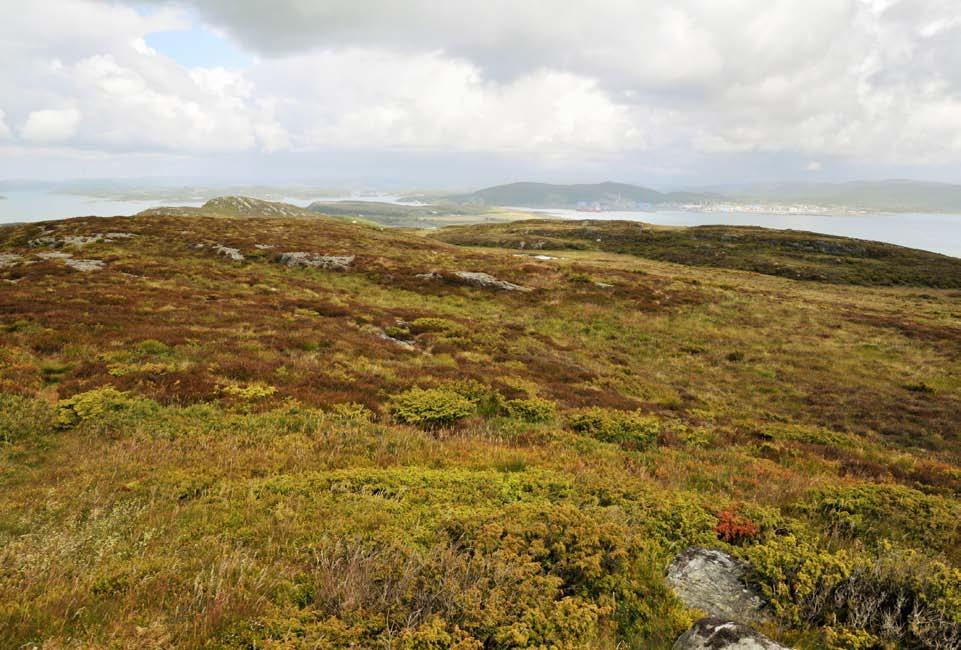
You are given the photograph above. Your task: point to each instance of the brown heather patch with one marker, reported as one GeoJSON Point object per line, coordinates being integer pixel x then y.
{"type": "Point", "coordinates": [912, 329]}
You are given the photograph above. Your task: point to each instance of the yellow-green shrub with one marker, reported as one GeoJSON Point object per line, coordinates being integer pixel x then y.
{"type": "Point", "coordinates": [21, 417]}
{"type": "Point", "coordinates": [250, 392]}
{"type": "Point", "coordinates": [440, 325]}
{"type": "Point", "coordinates": [430, 407]}
{"type": "Point", "coordinates": [89, 405]}
{"type": "Point", "coordinates": [871, 513]}
{"type": "Point", "coordinates": [624, 427]}
{"type": "Point", "coordinates": [897, 596]}
{"type": "Point", "coordinates": [532, 409]}
{"type": "Point", "coordinates": [351, 412]}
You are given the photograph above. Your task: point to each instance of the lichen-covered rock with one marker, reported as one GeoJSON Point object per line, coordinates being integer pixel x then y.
{"type": "Point", "coordinates": [719, 634]}
{"type": "Point", "coordinates": [230, 253]}
{"type": "Point", "coordinates": [9, 259]}
{"type": "Point", "coordinates": [77, 264]}
{"type": "Point", "coordinates": [713, 582]}
{"type": "Point", "coordinates": [85, 266]}
{"type": "Point", "coordinates": [312, 260]}
{"type": "Point", "coordinates": [77, 240]}
{"type": "Point", "coordinates": [486, 281]}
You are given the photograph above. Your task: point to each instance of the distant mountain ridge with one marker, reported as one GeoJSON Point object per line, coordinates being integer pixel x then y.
{"type": "Point", "coordinates": [897, 195]}
{"type": "Point", "coordinates": [881, 196]}
{"type": "Point", "coordinates": [546, 195]}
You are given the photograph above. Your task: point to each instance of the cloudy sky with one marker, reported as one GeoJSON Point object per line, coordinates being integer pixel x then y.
{"type": "Point", "coordinates": [452, 92]}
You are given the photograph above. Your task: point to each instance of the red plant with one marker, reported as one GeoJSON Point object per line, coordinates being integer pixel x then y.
{"type": "Point", "coordinates": [735, 528]}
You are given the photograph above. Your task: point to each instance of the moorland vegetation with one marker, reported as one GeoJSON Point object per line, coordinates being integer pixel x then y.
{"type": "Point", "coordinates": [202, 446]}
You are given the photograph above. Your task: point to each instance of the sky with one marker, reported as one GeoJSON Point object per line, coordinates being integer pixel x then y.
{"type": "Point", "coordinates": [458, 93]}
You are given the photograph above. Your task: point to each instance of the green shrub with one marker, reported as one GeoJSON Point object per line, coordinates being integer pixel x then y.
{"type": "Point", "coordinates": [22, 417]}
{"type": "Point", "coordinates": [487, 401]}
{"type": "Point", "coordinates": [430, 408]}
{"type": "Point", "coordinates": [624, 427]}
{"type": "Point", "coordinates": [573, 572]}
{"type": "Point", "coordinates": [901, 597]}
{"type": "Point", "coordinates": [872, 513]}
{"type": "Point", "coordinates": [250, 392]}
{"type": "Point", "coordinates": [351, 412]}
{"type": "Point", "coordinates": [396, 332]}
{"type": "Point", "coordinates": [89, 405]}
{"type": "Point", "coordinates": [53, 373]}
{"type": "Point", "coordinates": [153, 347]}
{"type": "Point", "coordinates": [439, 325]}
{"type": "Point", "coordinates": [533, 409]}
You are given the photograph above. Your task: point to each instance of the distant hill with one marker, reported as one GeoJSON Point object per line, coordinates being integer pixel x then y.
{"type": "Point", "coordinates": [236, 207]}
{"type": "Point", "coordinates": [545, 195]}
{"type": "Point", "coordinates": [372, 213]}
{"type": "Point", "coordinates": [786, 253]}
{"type": "Point", "coordinates": [886, 196]}
{"type": "Point", "coordinates": [881, 196]}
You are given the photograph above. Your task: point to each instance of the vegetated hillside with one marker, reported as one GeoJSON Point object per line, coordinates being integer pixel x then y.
{"type": "Point", "coordinates": [236, 207]}
{"type": "Point", "coordinates": [889, 196]}
{"type": "Point", "coordinates": [544, 195]}
{"type": "Point", "coordinates": [786, 253]}
{"type": "Point", "coordinates": [303, 433]}
{"type": "Point", "coordinates": [414, 216]}
{"type": "Point", "coordinates": [368, 212]}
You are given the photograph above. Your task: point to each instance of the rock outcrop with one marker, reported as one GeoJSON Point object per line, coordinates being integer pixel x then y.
{"type": "Point", "coordinates": [77, 240]}
{"type": "Point", "coordinates": [719, 634]}
{"type": "Point", "coordinates": [713, 582]}
{"type": "Point", "coordinates": [486, 281]}
{"type": "Point", "coordinates": [245, 206]}
{"type": "Point", "coordinates": [312, 260]}
{"type": "Point", "coordinates": [228, 252]}
{"type": "Point", "coordinates": [9, 259]}
{"type": "Point", "coordinates": [85, 266]}
{"type": "Point", "coordinates": [77, 264]}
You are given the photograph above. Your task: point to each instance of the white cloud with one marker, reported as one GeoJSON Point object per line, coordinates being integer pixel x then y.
{"type": "Point", "coordinates": [813, 166]}
{"type": "Point", "coordinates": [362, 99]}
{"type": "Point", "coordinates": [867, 80]}
{"type": "Point", "coordinates": [741, 75]}
{"type": "Point", "coordinates": [51, 125]}
{"type": "Point", "coordinates": [4, 129]}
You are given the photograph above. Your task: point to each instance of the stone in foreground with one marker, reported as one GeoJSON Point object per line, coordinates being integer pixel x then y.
{"type": "Point", "coordinates": [719, 634]}
{"type": "Point", "coordinates": [713, 582]}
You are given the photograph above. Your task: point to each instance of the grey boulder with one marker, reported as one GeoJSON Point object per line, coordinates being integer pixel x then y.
{"type": "Point", "coordinates": [713, 582]}
{"type": "Point", "coordinates": [719, 634]}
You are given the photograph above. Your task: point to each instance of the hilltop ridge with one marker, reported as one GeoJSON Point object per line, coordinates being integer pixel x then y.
{"type": "Point", "coordinates": [235, 207]}
{"type": "Point", "coordinates": [546, 195]}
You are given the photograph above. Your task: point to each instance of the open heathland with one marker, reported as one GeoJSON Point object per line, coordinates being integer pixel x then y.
{"type": "Point", "coordinates": [272, 430]}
